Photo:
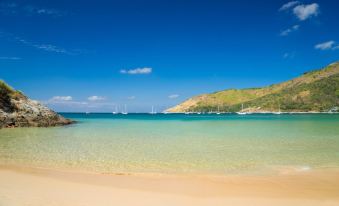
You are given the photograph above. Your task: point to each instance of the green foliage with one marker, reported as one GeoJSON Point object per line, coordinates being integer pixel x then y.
{"type": "Point", "coordinates": [317, 90]}
{"type": "Point", "coordinates": [7, 93]}
{"type": "Point", "coordinates": [5, 88]}
{"type": "Point", "coordinates": [5, 97]}
{"type": "Point", "coordinates": [320, 95]}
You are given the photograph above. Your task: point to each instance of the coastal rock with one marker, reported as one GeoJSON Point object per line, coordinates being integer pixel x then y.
{"type": "Point", "coordinates": [16, 110]}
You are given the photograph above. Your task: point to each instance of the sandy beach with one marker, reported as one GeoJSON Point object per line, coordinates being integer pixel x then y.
{"type": "Point", "coordinates": [32, 186]}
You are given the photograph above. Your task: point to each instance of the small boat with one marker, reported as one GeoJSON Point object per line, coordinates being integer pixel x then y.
{"type": "Point", "coordinates": [116, 110]}
{"type": "Point", "coordinates": [153, 111]}
{"type": "Point", "coordinates": [218, 112]}
{"type": "Point", "coordinates": [125, 112]}
{"type": "Point", "coordinates": [279, 112]}
{"type": "Point", "coordinates": [188, 112]}
{"type": "Point", "coordinates": [241, 111]}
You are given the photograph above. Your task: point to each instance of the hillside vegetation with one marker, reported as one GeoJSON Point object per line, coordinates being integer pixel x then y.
{"type": "Point", "coordinates": [316, 90]}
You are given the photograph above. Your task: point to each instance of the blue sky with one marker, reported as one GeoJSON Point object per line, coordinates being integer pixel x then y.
{"type": "Point", "coordinates": [93, 55]}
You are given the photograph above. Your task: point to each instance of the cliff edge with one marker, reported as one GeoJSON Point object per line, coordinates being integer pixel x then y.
{"type": "Point", "coordinates": [17, 110]}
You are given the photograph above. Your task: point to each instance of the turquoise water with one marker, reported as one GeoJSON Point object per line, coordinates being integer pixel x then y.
{"type": "Point", "coordinates": [177, 143]}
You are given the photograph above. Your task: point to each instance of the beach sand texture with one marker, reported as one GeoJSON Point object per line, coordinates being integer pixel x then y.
{"type": "Point", "coordinates": [31, 186]}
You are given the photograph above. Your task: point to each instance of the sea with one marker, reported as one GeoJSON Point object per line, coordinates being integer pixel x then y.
{"type": "Point", "coordinates": [178, 143]}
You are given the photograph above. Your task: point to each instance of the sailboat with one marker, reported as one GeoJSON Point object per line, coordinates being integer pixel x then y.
{"type": "Point", "coordinates": [218, 111]}
{"type": "Point", "coordinates": [116, 110]}
{"type": "Point", "coordinates": [125, 112]}
{"type": "Point", "coordinates": [279, 112]}
{"type": "Point", "coordinates": [241, 112]}
{"type": "Point", "coordinates": [153, 111]}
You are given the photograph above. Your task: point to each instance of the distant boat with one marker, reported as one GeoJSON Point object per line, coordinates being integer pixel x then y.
{"type": "Point", "coordinates": [279, 112]}
{"type": "Point", "coordinates": [87, 113]}
{"type": "Point", "coordinates": [241, 112]}
{"type": "Point", "coordinates": [116, 110]}
{"type": "Point", "coordinates": [125, 112]}
{"type": "Point", "coordinates": [188, 112]}
{"type": "Point", "coordinates": [153, 111]}
{"type": "Point", "coordinates": [218, 112]}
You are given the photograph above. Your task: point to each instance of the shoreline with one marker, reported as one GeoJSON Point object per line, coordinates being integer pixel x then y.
{"type": "Point", "coordinates": [213, 113]}
{"type": "Point", "coordinates": [24, 186]}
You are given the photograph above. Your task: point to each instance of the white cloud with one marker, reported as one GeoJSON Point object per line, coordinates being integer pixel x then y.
{"type": "Point", "coordinates": [145, 70]}
{"type": "Point", "coordinates": [289, 55]}
{"type": "Point", "coordinates": [304, 12]}
{"type": "Point", "coordinates": [327, 45]}
{"type": "Point", "coordinates": [288, 5]}
{"type": "Point", "coordinates": [10, 58]}
{"type": "Point", "coordinates": [131, 98]}
{"type": "Point", "coordinates": [289, 30]}
{"type": "Point", "coordinates": [96, 98]}
{"type": "Point", "coordinates": [173, 96]}
{"type": "Point", "coordinates": [67, 103]}
{"type": "Point", "coordinates": [44, 47]}
{"type": "Point", "coordinates": [28, 10]}
{"type": "Point", "coordinates": [50, 48]}
{"type": "Point", "coordinates": [61, 98]}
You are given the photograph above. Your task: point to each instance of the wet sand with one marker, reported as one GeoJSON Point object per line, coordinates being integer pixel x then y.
{"type": "Point", "coordinates": [33, 186]}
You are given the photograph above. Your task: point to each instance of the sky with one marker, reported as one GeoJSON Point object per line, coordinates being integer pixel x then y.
{"type": "Point", "coordinates": [78, 56]}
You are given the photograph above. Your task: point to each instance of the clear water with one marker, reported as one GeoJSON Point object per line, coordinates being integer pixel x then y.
{"type": "Point", "coordinates": [177, 143]}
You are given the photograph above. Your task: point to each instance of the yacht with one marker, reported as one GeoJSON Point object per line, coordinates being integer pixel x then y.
{"type": "Point", "coordinates": [116, 110]}
{"type": "Point", "coordinates": [218, 112]}
{"type": "Point", "coordinates": [279, 112]}
{"type": "Point", "coordinates": [153, 111]}
{"type": "Point", "coordinates": [125, 112]}
{"type": "Point", "coordinates": [241, 111]}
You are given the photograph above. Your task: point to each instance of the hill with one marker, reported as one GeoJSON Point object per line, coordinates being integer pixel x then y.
{"type": "Point", "coordinates": [17, 110]}
{"type": "Point", "coordinates": [314, 91]}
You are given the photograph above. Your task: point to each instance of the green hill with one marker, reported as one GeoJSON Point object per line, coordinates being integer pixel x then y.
{"type": "Point", "coordinates": [313, 91]}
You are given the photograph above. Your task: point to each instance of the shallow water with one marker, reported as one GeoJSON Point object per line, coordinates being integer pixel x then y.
{"type": "Point", "coordinates": [177, 143]}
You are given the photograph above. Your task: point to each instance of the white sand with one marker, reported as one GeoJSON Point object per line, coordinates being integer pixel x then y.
{"type": "Point", "coordinates": [34, 187]}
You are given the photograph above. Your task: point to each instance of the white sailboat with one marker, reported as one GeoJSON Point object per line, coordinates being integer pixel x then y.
{"type": "Point", "coordinates": [242, 109]}
{"type": "Point", "coordinates": [218, 112]}
{"type": "Point", "coordinates": [279, 112]}
{"type": "Point", "coordinates": [153, 110]}
{"type": "Point", "coordinates": [116, 110]}
{"type": "Point", "coordinates": [125, 112]}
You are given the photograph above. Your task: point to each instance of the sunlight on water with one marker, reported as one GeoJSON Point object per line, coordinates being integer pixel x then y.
{"type": "Point", "coordinates": [178, 143]}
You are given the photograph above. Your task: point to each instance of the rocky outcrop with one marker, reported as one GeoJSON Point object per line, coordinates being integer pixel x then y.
{"type": "Point", "coordinates": [17, 110]}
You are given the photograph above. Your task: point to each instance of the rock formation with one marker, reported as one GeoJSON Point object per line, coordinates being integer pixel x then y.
{"type": "Point", "coordinates": [17, 110]}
